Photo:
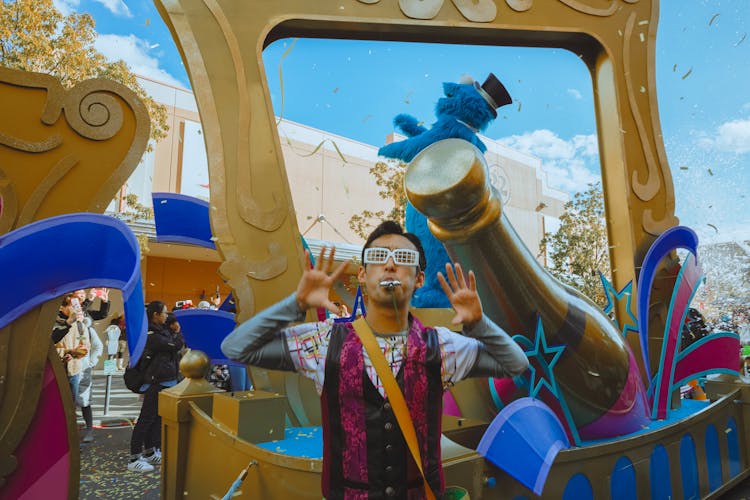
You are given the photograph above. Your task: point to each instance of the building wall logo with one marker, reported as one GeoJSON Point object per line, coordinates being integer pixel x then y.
{"type": "Point", "coordinates": [501, 182]}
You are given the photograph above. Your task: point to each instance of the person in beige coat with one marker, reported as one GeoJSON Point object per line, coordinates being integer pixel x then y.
{"type": "Point", "coordinates": [76, 344]}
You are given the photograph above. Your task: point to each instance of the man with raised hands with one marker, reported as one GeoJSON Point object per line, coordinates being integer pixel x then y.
{"type": "Point", "coordinates": [365, 455]}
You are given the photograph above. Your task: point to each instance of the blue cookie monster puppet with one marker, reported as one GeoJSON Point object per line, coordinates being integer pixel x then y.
{"type": "Point", "coordinates": [466, 109]}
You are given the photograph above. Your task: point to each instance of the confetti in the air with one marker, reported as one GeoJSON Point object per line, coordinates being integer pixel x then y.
{"type": "Point", "coordinates": [713, 18]}
{"type": "Point", "coordinates": [688, 73]}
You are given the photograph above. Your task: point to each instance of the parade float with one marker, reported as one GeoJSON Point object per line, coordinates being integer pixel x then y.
{"type": "Point", "coordinates": [599, 413]}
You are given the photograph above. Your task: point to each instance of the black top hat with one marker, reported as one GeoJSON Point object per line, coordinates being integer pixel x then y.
{"type": "Point", "coordinates": [493, 92]}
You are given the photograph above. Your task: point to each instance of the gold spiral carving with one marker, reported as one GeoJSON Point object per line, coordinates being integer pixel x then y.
{"type": "Point", "coordinates": [92, 113]}
{"type": "Point", "coordinates": [104, 92]}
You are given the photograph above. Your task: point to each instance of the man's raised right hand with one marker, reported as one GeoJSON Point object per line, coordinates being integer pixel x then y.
{"type": "Point", "coordinates": [316, 282]}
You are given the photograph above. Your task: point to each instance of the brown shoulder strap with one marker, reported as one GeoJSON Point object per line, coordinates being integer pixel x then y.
{"type": "Point", "coordinates": [395, 396]}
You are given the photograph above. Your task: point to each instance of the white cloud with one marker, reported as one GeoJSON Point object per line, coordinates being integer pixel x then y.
{"type": "Point", "coordinates": [570, 165]}
{"type": "Point", "coordinates": [116, 7]}
{"type": "Point", "coordinates": [729, 137]}
{"type": "Point", "coordinates": [66, 7]}
{"type": "Point", "coordinates": [588, 144]}
{"type": "Point", "coordinates": [576, 94]}
{"type": "Point", "coordinates": [734, 136]}
{"type": "Point", "coordinates": [134, 51]}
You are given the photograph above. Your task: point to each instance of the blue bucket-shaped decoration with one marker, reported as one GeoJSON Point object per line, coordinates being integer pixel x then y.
{"type": "Point", "coordinates": [523, 440]}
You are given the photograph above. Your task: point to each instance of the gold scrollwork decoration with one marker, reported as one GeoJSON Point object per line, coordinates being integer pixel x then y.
{"type": "Point", "coordinates": [477, 11]}
{"type": "Point", "coordinates": [655, 226]}
{"type": "Point", "coordinates": [92, 113]}
{"type": "Point", "coordinates": [592, 11]}
{"type": "Point", "coordinates": [273, 266]}
{"type": "Point", "coordinates": [96, 94]}
{"type": "Point", "coordinates": [644, 190]}
{"type": "Point", "coordinates": [56, 173]}
{"type": "Point", "coordinates": [249, 209]}
{"type": "Point", "coordinates": [8, 204]}
{"type": "Point", "coordinates": [420, 9]}
{"type": "Point", "coordinates": [48, 144]}
{"type": "Point", "coordinates": [520, 5]}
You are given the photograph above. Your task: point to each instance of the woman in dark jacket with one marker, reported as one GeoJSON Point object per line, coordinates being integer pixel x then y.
{"type": "Point", "coordinates": [161, 358]}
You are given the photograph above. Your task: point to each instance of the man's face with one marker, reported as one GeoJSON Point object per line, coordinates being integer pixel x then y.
{"type": "Point", "coordinates": [80, 295]}
{"type": "Point", "coordinates": [370, 275]}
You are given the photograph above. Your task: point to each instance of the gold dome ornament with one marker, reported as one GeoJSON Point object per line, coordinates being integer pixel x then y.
{"type": "Point", "coordinates": [194, 366]}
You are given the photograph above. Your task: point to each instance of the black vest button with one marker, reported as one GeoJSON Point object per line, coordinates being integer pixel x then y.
{"type": "Point", "coordinates": [387, 405]}
{"type": "Point", "coordinates": [390, 491]}
{"type": "Point", "coordinates": [388, 426]}
{"type": "Point", "coordinates": [389, 448]}
{"type": "Point", "coordinates": [389, 468]}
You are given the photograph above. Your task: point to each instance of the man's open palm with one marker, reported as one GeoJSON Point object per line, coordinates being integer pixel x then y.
{"type": "Point", "coordinates": [316, 282]}
{"type": "Point", "coordinates": [463, 297]}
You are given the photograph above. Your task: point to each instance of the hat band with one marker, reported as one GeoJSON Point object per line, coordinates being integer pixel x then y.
{"type": "Point", "coordinates": [487, 97]}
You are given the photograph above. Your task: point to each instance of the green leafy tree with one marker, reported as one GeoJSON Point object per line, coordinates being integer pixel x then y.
{"type": "Point", "coordinates": [35, 36]}
{"type": "Point", "coordinates": [134, 211]}
{"type": "Point", "coordinates": [580, 247]}
{"type": "Point", "coordinates": [389, 177]}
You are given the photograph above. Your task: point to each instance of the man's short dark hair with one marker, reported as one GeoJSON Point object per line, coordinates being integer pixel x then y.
{"type": "Point", "coordinates": [393, 227]}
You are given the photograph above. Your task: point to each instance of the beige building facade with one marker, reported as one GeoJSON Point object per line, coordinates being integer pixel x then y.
{"type": "Point", "coordinates": [329, 180]}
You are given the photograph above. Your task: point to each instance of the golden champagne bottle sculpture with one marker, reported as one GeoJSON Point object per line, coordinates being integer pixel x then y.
{"type": "Point", "coordinates": [596, 374]}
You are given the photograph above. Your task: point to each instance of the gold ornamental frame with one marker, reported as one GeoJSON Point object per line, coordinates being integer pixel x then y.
{"type": "Point", "coordinates": [252, 214]}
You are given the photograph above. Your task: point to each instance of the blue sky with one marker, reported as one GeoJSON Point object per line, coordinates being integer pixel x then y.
{"type": "Point", "coordinates": [354, 88]}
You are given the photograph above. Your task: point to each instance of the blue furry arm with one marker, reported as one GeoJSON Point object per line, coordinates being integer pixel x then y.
{"type": "Point", "coordinates": [408, 125]}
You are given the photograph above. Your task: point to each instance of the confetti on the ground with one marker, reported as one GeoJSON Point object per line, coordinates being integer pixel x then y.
{"type": "Point", "coordinates": [104, 471]}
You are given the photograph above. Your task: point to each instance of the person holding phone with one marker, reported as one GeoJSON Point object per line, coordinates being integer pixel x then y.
{"type": "Point", "coordinates": [70, 334]}
{"type": "Point", "coordinates": [75, 344]}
